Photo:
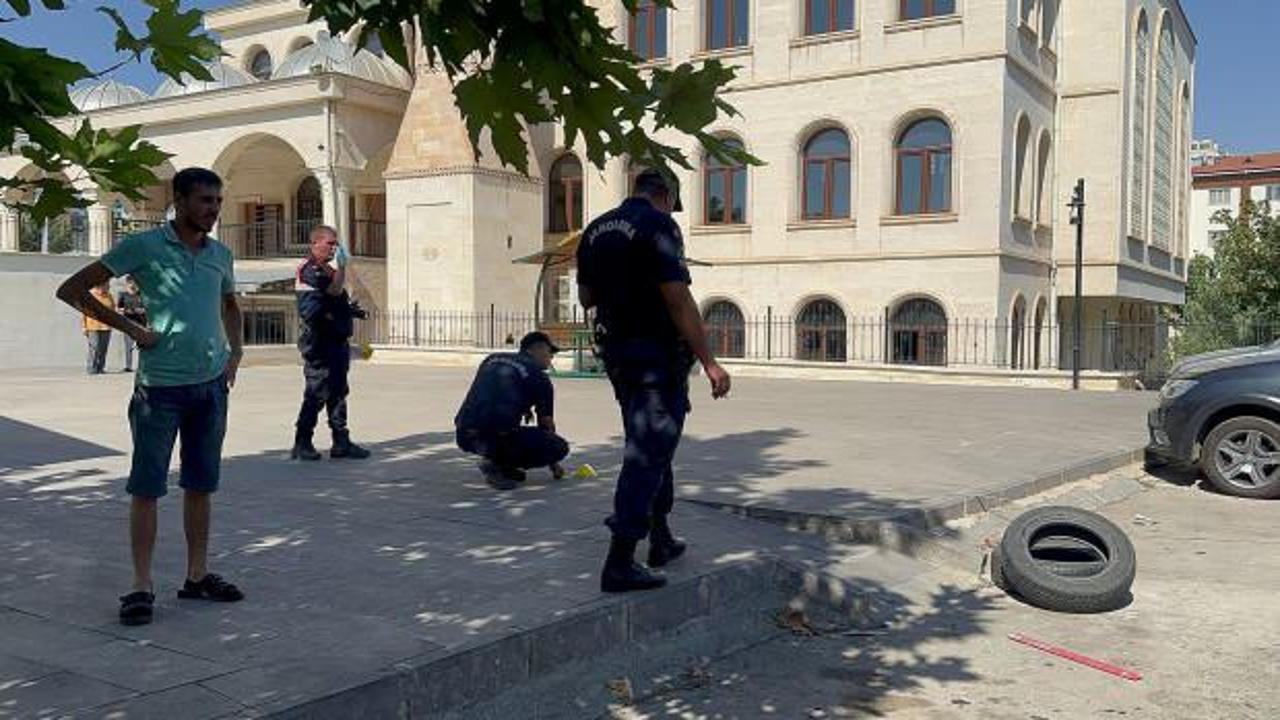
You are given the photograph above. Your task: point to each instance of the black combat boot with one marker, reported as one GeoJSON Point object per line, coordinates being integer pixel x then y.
{"type": "Point", "coordinates": [303, 449]}
{"type": "Point", "coordinates": [622, 573]}
{"type": "Point", "coordinates": [663, 545]}
{"type": "Point", "coordinates": [344, 448]}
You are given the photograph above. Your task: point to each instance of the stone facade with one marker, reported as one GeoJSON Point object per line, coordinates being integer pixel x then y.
{"type": "Point", "coordinates": [1019, 99]}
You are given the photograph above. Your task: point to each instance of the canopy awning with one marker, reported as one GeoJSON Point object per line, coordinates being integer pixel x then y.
{"type": "Point", "coordinates": [565, 252]}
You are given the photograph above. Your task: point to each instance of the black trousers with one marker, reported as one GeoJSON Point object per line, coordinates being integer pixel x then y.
{"type": "Point", "coordinates": [522, 447]}
{"type": "Point", "coordinates": [654, 406]}
{"type": "Point", "coordinates": [326, 388]}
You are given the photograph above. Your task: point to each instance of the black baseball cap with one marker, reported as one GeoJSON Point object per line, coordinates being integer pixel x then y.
{"type": "Point", "coordinates": [652, 181]}
{"type": "Point", "coordinates": [535, 338]}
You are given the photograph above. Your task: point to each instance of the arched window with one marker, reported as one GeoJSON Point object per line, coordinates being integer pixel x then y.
{"type": "Point", "coordinates": [827, 176]}
{"type": "Point", "coordinates": [821, 332]}
{"type": "Point", "coordinates": [1162, 157]}
{"type": "Point", "coordinates": [1021, 177]}
{"type": "Point", "coordinates": [308, 209]}
{"type": "Point", "coordinates": [1018, 334]}
{"type": "Point", "coordinates": [726, 329]}
{"type": "Point", "coordinates": [1184, 177]}
{"type": "Point", "coordinates": [564, 187]}
{"type": "Point", "coordinates": [727, 23]}
{"type": "Point", "coordinates": [1037, 356]}
{"type": "Point", "coordinates": [918, 330]}
{"type": "Point", "coordinates": [647, 32]}
{"type": "Point", "coordinates": [1138, 132]}
{"type": "Point", "coordinates": [725, 189]}
{"type": "Point", "coordinates": [918, 9]}
{"type": "Point", "coordinates": [1048, 21]}
{"type": "Point", "coordinates": [1044, 181]}
{"type": "Point", "coordinates": [826, 16]}
{"type": "Point", "coordinates": [260, 65]}
{"type": "Point", "coordinates": [924, 168]}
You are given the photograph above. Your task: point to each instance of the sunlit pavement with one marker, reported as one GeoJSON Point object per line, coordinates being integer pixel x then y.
{"type": "Point", "coordinates": [353, 567]}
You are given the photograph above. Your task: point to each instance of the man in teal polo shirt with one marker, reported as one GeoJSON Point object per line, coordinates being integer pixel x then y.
{"type": "Point", "coordinates": [190, 353]}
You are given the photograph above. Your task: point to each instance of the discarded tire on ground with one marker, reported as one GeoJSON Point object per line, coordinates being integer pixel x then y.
{"type": "Point", "coordinates": [1067, 556]}
{"type": "Point", "coordinates": [1065, 559]}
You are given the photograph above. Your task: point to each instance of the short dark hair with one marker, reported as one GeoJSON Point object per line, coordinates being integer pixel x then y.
{"type": "Point", "coordinates": [654, 182]}
{"type": "Point", "coordinates": [189, 179]}
{"type": "Point", "coordinates": [651, 182]}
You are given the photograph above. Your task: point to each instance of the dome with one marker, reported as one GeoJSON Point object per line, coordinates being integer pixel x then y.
{"type": "Point", "coordinates": [330, 54]}
{"type": "Point", "coordinates": [105, 94]}
{"type": "Point", "coordinates": [224, 76]}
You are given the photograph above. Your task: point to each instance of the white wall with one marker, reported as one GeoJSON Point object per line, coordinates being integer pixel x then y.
{"type": "Point", "coordinates": [36, 330]}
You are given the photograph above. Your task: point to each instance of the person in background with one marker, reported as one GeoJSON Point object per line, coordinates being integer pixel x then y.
{"type": "Point", "coordinates": [508, 389]}
{"type": "Point", "coordinates": [130, 305]}
{"type": "Point", "coordinates": [97, 333]}
{"type": "Point", "coordinates": [328, 322]}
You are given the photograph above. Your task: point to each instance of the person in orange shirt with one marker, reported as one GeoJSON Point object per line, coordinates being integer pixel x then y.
{"type": "Point", "coordinates": [97, 333]}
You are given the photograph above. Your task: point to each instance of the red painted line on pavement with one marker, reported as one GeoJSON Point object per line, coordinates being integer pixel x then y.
{"type": "Point", "coordinates": [1076, 657]}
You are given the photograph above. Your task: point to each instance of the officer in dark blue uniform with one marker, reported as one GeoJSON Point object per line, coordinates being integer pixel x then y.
{"type": "Point", "coordinates": [632, 272]}
{"type": "Point", "coordinates": [509, 388]}
{"type": "Point", "coordinates": [328, 319]}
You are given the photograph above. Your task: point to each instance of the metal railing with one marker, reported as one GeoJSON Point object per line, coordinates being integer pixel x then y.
{"type": "Point", "coordinates": [278, 238]}
{"type": "Point", "coordinates": [65, 234]}
{"type": "Point", "coordinates": [271, 239]}
{"type": "Point", "coordinates": [1146, 350]}
{"type": "Point", "coordinates": [369, 238]}
{"type": "Point", "coordinates": [123, 227]}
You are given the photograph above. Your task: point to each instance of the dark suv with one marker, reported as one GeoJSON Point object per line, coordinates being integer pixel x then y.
{"type": "Point", "coordinates": [1223, 409]}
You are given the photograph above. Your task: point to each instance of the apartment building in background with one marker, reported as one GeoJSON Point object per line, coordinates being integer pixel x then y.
{"type": "Point", "coordinates": [1224, 185]}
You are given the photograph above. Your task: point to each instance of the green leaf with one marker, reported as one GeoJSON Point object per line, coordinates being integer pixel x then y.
{"type": "Point", "coordinates": [177, 42]}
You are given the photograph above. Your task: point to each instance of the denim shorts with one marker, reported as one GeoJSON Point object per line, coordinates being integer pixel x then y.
{"type": "Point", "coordinates": [158, 416]}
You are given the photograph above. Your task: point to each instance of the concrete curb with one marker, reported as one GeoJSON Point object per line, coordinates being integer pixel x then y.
{"type": "Point", "coordinates": [448, 680]}
{"type": "Point", "coordinates": [905, 531]}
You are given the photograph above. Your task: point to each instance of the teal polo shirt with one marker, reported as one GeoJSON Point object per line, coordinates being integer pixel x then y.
{"type": "Point", "coordinates": [182, 291]}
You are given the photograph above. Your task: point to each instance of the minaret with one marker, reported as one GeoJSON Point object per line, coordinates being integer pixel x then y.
{"type": "Point", "coordinates": [455, 222]}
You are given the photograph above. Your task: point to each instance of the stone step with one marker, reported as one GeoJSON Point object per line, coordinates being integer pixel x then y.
{"type": "Point", "coordinates": [560, 668]}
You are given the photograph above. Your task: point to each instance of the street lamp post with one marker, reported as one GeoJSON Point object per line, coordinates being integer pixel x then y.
{"type": "Point", "coordinates": [1077, 219]}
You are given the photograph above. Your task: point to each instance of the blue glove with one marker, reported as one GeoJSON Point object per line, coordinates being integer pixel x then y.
{"type": "Point", "coordinates": [341, 256]}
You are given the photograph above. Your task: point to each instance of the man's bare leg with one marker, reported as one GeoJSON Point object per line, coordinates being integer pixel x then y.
{"type": "Point", "coordinates": [195, 520]}
{"type": "Point", "coordinates": [142, 536]}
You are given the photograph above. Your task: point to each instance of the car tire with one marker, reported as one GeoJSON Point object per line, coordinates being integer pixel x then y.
{"type": "Point", "coordinates": [1230, 440]}
{"type": "Point", "coordinates": [1055, 555]}
{"type": "Point", "coordinates": [1099, 590]}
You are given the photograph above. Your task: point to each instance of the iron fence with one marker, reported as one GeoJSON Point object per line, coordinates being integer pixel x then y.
{"type": "Point", "coordinates": [63, 234]}
{"type": "Point", "coordinates": [270, 239]}
{"type": "Point", "coordinates": [279, 238]}
{"type": "Point", "coordinates": [123, 227]}
{"type": "Point", "coordinates": [369, 238]}
{"type": "Point", "coordinates": [1146, 350]}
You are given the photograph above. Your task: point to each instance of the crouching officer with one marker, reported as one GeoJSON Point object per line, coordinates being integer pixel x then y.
{"type": "Point", "coordinates": [328, 319]}
{"type": "Point", "coordinates": [508, 388]}
{"type": "Point", "coordinates": [648, 330]}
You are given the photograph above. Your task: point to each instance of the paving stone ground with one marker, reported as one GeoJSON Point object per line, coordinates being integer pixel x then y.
{"type": "Point", "coordinates": [351, 568]}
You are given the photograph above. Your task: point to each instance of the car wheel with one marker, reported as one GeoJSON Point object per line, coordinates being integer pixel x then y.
{"type": "Point", "coordinates": [1068, 560]}
{"type": "Point", "coordinates": [1242, 457]}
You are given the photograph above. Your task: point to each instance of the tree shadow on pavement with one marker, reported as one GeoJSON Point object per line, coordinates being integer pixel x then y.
{"type": "Point", "coordinates": [351, 567]}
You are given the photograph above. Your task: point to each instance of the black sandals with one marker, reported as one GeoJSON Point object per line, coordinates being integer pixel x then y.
{"type": "Point", "coordinates": [211, 587]}
{"type": "Point", "coordinates": [137, 608]}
